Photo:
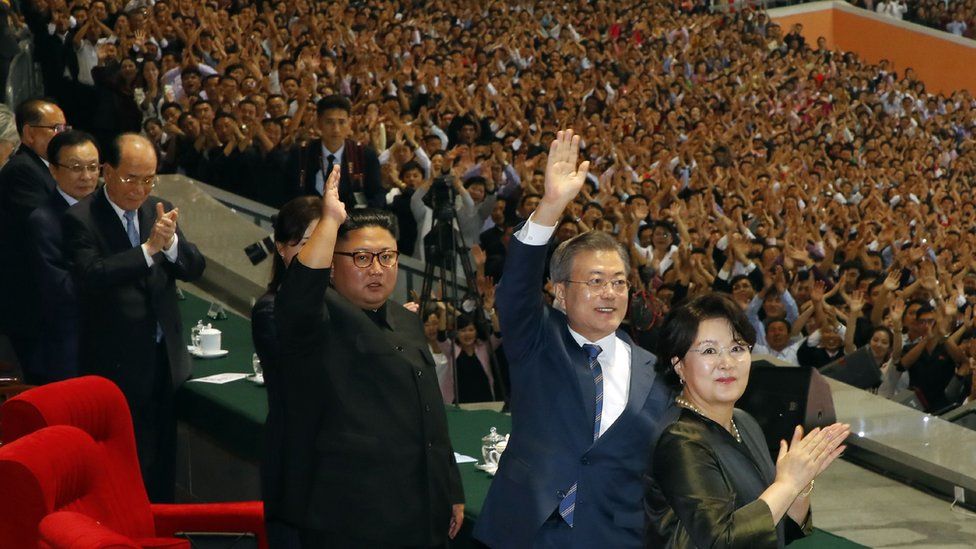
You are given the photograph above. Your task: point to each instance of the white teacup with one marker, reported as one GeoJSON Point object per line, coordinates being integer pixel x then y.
{"type": "Point", "coordinates": [207, 340]}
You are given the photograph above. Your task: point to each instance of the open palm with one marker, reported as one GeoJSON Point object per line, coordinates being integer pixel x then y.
{"type": "Point", "coordinates": [564, 178]}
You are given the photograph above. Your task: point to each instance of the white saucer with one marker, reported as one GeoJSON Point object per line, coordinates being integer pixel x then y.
{"type": "Point", "coordinates": [202, 354]}
{"type": "Point", "coordinates": [490, 469]}
{"type": "Point", "coordinates": [256, 379]}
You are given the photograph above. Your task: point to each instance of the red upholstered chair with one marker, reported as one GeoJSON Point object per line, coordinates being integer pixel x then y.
{"type": "Point", "coordinates": [60, 468]}
{"type": "Point", "coordinates": [96, 406]}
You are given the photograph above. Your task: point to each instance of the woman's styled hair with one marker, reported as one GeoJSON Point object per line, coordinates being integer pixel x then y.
{"type": "Point", "coordinates": [289, 227]}
{"type": "Point", "coordinates": [681, 327]}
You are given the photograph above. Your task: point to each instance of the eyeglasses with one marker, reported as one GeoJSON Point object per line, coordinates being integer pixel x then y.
{"type": "Point", "coordinates": [711, 354]}
{"type": "Point", "coordinates": [57, 128]}
{"type": "Point", "coordinates": [363, 259]}
{"type": "Point", "coordinates": [594, 285]}
{"type": "Point", "coordinates": [77, 169]}
{"type": "Point", "coordinates": [147, 182]}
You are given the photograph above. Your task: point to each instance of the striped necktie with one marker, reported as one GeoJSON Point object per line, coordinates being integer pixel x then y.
{"type": "Point", "coordinates": [568, 504]}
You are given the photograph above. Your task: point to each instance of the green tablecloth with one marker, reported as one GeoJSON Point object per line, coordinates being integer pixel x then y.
{"type": "Point", "coordinates": [233, 414]}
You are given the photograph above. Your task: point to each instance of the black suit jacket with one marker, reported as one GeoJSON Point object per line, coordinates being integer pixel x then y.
{"type": "Point", "coordinates": [25, 184]}
{"type": "Point", "coordinates": [265, 337]}
{"type": "Point", "coordinates": [122, 298]}
{"type": "Point", "coordinates": [57, 352]}
{"type": "Point", "coordinates": [493, 243]}
{"type": "Point", "coordinates": [367, 452]}
{"type": "Point", "coordinates": [360, 172]}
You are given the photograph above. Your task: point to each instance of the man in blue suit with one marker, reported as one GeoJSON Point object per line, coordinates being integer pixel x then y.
{"type": "Point", "coordinates": [74, 165]}
{"type": "Point", "coordinates": [586, 408]}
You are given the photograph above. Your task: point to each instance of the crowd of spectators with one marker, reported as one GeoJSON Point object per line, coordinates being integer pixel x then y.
{"type": "Point", "coordinates": [831, 197]}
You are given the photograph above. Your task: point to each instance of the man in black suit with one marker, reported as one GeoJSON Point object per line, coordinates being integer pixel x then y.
{"type": "Point", "coordinates": [126, 253]}
{"type": "Point", "coordinates": [25, 184]}
{"type": "Point", "coordinates": [493, 240]}
{"type": "Point", "coordinates": [74, 165]}
{"type": "Point", "coordinates": [359, 185]}
{"type": "Point", "coordinates": [367, 459]}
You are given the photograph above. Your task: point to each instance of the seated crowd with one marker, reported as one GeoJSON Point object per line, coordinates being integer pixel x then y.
{"type": "Point", "coordinates": [829, 196]}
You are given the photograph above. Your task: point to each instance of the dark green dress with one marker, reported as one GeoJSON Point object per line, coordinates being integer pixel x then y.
{"type": "Point", "coordinates": [704, 488]}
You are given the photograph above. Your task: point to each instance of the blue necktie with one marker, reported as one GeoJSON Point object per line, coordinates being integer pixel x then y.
{"type": "Point", "coordinates": [568, 504]}
{"type": "Point", "coordinates": [130, 227]}
{"type": "Point", "coordinates": [133, 233]}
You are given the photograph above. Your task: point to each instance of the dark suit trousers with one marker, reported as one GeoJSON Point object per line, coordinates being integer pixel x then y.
{"type": "Point", "coordinates": [320, 539]}
{"type": "Point", "coordinates": [155, 427]}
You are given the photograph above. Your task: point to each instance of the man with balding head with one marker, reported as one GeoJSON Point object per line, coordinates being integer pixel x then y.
{"type": "Point", "coordinates": [126, 252]}
{"type": "Point", "coordinates": [25, 185]}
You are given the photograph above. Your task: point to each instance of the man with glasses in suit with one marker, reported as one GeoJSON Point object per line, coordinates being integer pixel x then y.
{"type": "Point", "coordinates": [126, 252]}
{"type": "Point", "coordinates": [586, 405]}
{"type": "Point", "coordinates": [73, 158]}
{"type": "Point", "coordinates": [25, 185]}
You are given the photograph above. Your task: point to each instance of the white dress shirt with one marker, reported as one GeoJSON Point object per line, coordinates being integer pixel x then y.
{"type": "Point", "coordinates": [68, 198]}
{"type": "Point", "coordinates": [615, 357]}
{"type": "Point", "coordinates": [319, 177]}
{"type": "Point", "coordinates": [169, 253]}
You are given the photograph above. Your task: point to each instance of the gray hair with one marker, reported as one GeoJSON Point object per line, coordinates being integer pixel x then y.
{"type": "Point", "coordinates": [561, 264]}
{"type": "Point", "coordinates": [8, 126]}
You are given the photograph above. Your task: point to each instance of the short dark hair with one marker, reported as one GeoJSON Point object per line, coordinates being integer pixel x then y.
{"type": "Point", "coordinates": [475, 180]}
{"type": "Point", "coordinates": [71, 138]}
{"type": "Point", "coordinates": [289, 227]}
{"type": "Point", "coordinates": [527, 196]}
{"type": "Point", "coordinates": [201, 102]}
{"type": "Point", "coordinates": [333, 102]}
{"type": "Point", "coordinates": [735, 280]}
{"type": "Point", "coordinates": [770, 321]}
{"type": "Point", "coordinates": [367, 217]}
{"type": "Point", "coordinates": [561, 263]}
{"type": "Point", "coordinates": [170, 105]}
{"type": "Point", "coordinates": [592, 206]}
{"type": "Point", "coordinates": [29, 113]}
{"type": "Point", "coordinates": [681, 327]}
{"type": "Point", "coordinates": [411, 165]}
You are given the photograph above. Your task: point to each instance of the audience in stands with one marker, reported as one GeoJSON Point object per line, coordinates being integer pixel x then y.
{"type": "Point", "coordinates": [724, 152]}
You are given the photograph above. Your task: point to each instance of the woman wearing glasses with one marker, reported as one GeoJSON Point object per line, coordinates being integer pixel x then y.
{"type": "Point", "coordinates": [712, 482]}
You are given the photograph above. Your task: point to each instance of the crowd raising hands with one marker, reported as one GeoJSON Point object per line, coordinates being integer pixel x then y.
{"type": "Point", "coordinates": [724, 152]}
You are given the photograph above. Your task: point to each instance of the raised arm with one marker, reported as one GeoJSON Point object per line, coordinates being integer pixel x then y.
{"type": "Point", "coordinates": [317, 252]}
{"type": "Point", "coordinates": [856, 305]}
{"type": "Point", "coordinates": [519, 295]}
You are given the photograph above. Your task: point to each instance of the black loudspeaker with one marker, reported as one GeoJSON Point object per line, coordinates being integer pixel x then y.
{"type": "Point", "coordinates": [964, 416]}
{"type": "Point", "coordinates": [782, 397]}
{"type": "Point", "coordinates": [858, 369]}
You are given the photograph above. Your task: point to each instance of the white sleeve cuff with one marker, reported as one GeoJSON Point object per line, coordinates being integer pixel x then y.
{"type": "Point", "coordinates": [534, 234]}
{"type": "Point", "coordinates": [171, 252]}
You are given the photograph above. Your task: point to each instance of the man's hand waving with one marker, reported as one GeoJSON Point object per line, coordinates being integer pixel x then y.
{"type": "Point", "coordinates": [564, 178]}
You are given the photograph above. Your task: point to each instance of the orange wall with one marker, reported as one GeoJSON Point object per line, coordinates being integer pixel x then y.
{"type": "Point", "coordinates": [818, 23]}
{"type": "Point", "coordinates": [943, 64]}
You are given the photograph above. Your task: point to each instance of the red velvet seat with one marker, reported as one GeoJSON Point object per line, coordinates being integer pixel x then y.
{"type": "Point", "coordinates": [97, 407]}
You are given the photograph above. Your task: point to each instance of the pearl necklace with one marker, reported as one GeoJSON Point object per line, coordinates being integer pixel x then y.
{"type": "Point", "coordinates": [685, 404]}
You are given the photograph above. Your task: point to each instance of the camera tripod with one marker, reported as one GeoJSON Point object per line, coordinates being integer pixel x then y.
{"type": "Point", "coordinates": [444, 250]}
